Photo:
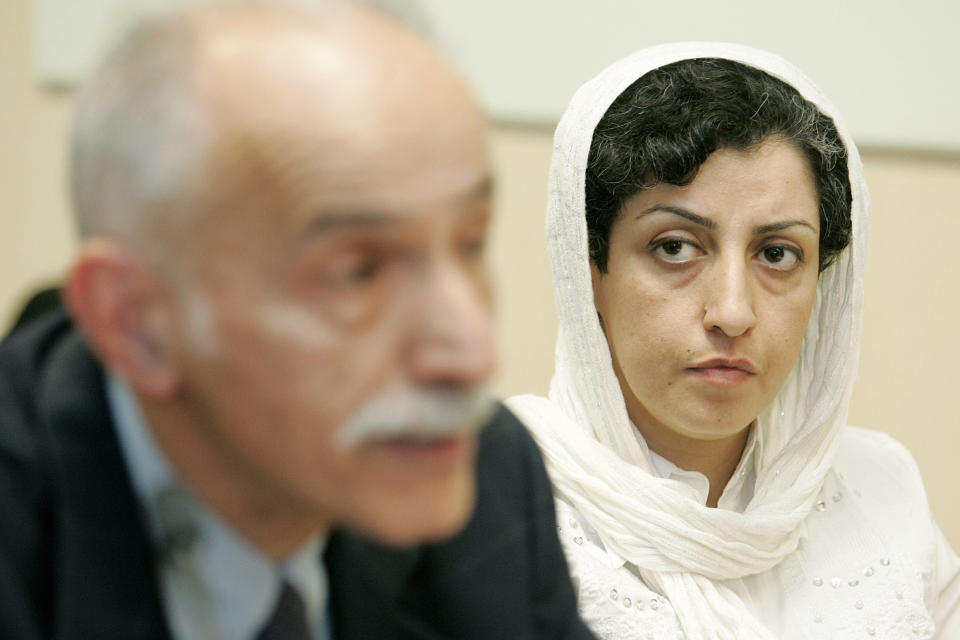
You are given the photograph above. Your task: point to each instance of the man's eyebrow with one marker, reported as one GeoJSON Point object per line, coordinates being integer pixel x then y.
{"type": "Point", "coordinates": [337, 220]}
{"type": "Point", "coordinates": [780, 226]}
{"type": "Point", "coordinates": [683, 213]}
{"type": "Point", "coordinates": [346, 219]}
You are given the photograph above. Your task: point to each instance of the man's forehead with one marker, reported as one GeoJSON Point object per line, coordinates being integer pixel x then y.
{"type": "Point", "coordinates": [309, 122]}
{"type": "Point", "coordinates": [325, 169]}
{"type": "Point", "coordinates": [337, 48]}
{"type": "Point", "coordinates": [329, 111]}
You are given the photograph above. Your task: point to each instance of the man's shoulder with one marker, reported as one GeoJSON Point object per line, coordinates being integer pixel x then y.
{"type": "Point", "coordinates": [24, 482]}
{"type": "Point", "coordinates": [505, 443]}
{"type": "Point", "coordinates": [512, 486]}
{"type": "Point", "coordinates": [75, 561]}
{"type": "Point", "coordinates": [46, 374]}
{"type": "Point", "coordinates": [31, 352]}
{"type": "Point", "coordinates": [27, 357]}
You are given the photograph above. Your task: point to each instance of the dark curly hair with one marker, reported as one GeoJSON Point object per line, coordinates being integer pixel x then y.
{"type": "Point", "coordinates": [666, 124]}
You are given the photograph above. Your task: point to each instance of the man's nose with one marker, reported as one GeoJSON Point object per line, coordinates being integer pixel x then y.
{"type": "Point", "coordinates": [453, 341]}
{"type": "Point", "coordinates": [729, 299]}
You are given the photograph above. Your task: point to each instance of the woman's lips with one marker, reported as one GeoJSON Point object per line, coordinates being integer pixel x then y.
{"type": "Point", "coordinates": [724, 370]}
{"type": "Point", "coordinates": [721, 375]}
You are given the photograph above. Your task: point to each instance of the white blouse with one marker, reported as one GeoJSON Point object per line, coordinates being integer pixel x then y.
{"type": "Point", "coordinates": [827, 588]}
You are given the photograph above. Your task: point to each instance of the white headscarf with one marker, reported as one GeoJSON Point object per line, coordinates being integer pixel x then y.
{"type": "Point", "coordinates": [683, 548]}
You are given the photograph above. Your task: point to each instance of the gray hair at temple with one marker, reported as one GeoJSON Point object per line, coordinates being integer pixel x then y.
{"type": "Point", "coordinates": [141, 132]}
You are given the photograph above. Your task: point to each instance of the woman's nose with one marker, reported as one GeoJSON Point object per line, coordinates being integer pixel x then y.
{"type": "Point", "coordinates": [728, 299]}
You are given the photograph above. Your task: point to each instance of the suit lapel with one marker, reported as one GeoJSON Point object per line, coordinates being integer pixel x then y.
{"type": "Point", "coordinates": [370, 588]}
{"type": "Point", "coordinates": [106, 584]}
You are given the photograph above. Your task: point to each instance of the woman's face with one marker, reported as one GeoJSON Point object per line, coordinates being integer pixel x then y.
{"type": "Point", "coordinates": [708, 291]}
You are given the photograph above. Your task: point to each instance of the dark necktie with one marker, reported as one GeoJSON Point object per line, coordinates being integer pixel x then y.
{"type": "Point", "coordinates": [289, 619]}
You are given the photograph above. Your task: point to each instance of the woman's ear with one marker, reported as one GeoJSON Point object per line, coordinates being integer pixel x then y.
{"type": "Point", "coordinates": [122, 308]}
{"type": "Point", "coordinates": [595, 277]}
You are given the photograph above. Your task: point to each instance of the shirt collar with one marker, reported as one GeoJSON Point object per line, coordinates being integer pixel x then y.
{"type": "Point", "coordinates": [739, 490]}
{"type": "Point", "coordinates": [213, 578]}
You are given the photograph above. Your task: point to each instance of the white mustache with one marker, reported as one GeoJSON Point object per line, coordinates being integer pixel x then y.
{"type": "Point", "coordinates": [417, 413]}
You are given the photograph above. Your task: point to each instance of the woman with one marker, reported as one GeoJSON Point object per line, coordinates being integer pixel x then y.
{"type": "Point", "coordinates": [707, 231]}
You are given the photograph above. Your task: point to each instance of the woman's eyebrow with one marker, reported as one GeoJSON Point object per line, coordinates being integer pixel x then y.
{"type": "Point", "coordinates": [780, 226]}
{"type": "Point", "coordinates": [679, 211]}
{"type": "Point", "coordinates": [710, 224]}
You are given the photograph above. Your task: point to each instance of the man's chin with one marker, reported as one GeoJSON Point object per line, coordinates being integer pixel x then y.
{"type": "Point", "coordinates": [431, 515]}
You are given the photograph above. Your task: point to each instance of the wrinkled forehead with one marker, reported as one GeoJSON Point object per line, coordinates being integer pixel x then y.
{"type": "Point", "coordinates": [303, 120]}
{"type": "Point", "coordinates": [344, 74]}
{"type": "Point", "coordinates": [301, 114]}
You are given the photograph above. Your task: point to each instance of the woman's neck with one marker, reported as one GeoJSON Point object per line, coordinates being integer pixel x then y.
{"type": "Point", "coordinates": [716, 459]}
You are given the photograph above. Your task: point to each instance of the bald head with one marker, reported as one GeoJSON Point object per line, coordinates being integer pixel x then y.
{"type": "Point", "coordinates": [183, 99]}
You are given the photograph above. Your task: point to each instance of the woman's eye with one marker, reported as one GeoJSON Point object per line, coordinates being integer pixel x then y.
{"type": "Point", "coordinates": [676, 250]}
{"type": "Point", "coordinates": [780, 257]}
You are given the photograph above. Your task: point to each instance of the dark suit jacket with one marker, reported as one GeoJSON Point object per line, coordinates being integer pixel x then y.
{"type": "Point", "coordinates": [76, 561]}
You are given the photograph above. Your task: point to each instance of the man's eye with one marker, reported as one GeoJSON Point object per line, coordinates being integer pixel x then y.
{"type": "Point", "coordinates": [354, 272]}
{"type": "Point", "coordinates": [362, 272]}
{"type": "Point", "coordinates": [781, 257]}
{"type": "Point", "coordinates": [472, 248]}
{"type": "Point", "coordinates": [676, 250]}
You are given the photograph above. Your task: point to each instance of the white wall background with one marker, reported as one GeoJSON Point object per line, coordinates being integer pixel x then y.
{"type": "Point", "coordinates": [889, 65]}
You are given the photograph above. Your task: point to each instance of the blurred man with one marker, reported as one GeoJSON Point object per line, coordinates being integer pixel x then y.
{"type": "Point", "coordinates": [269, 378]}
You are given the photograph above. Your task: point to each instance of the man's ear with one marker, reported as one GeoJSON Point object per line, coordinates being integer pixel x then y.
{"type": "Point", "coordinates": [123, 309]}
